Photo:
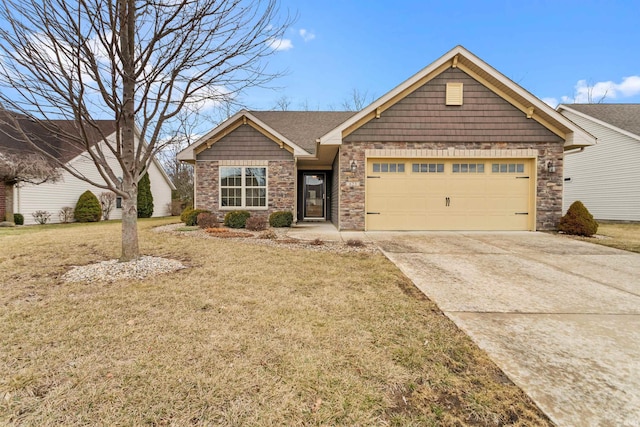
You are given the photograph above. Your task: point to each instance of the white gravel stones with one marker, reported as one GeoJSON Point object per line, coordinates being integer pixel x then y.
{"type": "Point", "coordinates": [112, 270]}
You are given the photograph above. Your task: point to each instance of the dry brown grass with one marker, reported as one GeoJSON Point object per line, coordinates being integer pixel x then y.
{"type": "Point", "coordinates": [248, 335]}
{"type": "Point", "coordinates": [621, 236]}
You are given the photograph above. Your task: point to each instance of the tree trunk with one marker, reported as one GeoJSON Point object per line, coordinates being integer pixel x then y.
{"type": "Point", "coordinates": [130, 249]}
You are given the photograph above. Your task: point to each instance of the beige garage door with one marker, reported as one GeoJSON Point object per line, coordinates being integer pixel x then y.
{"type": "Point", "coordinates": [437, 194]}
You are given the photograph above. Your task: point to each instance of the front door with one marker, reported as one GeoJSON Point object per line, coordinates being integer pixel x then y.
{"type": "Point", "coordinates": [314, 195]}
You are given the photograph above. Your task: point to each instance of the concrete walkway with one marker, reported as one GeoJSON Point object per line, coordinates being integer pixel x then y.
{"type": "Point", "coordinates": [559, 316]}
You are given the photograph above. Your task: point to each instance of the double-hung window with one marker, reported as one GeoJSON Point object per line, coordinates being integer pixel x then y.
{"type": "Point", "coordinates": [243, 187]}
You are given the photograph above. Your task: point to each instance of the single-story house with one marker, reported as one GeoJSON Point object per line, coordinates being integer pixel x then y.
{"type": "Point", "coordinates": [606, 176]}
{"type": "Point", "coordinates": [25, 198]}
{"type": "Point", "coordinates": [457, 146]}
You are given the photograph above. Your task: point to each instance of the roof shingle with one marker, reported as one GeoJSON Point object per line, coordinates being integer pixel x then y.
{"type": "Point", "coordinates": [623, 116]}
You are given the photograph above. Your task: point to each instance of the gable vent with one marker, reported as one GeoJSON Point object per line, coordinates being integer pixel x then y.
{"type": "Point", "coordinates": [454, 94]}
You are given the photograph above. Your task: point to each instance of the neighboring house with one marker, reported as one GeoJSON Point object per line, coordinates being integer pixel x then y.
{"type": "Point", "coordinates": [52, 197]}
{"type": "Point", "coordinates": [605, 177]}
{"type": "Point", "coordinates": [458, 146]}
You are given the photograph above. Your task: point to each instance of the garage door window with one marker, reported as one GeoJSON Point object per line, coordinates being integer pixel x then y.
{"type": "Point", "coordinates": [468, 168]}
{"type": "Point", "coordinates": [507, 168]}
{"type": "Point", "coordinates": [388, 167]}
{"type": "Point", "coordinates": [427, 168]}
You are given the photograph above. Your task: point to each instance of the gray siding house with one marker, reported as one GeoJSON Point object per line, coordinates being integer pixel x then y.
{"type": "Point", "coordinates": [458, 146]}
{"type": "Point", "coordinates": [605, 177]}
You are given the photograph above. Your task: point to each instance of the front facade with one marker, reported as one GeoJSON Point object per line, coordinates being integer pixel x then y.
{"type": "Point", "coordinates": [605, 177]}
{"type": "Point", "coordinates": [458, 146]}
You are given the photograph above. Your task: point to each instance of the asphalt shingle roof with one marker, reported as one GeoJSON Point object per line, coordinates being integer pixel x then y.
{"type": "Point", "coordinates": [623, 116]}
{"type": "Point", "coordinates": [303, 127]}
{"type": "Point", "coordinates": [63, 149]}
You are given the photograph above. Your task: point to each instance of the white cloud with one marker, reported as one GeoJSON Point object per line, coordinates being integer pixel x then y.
{"type": "Point", "coordinates": [280, 44]}
{"type": "Point", "coordinates": [306, 35]}
{"type": "Point", "coordinates": [599, 91]}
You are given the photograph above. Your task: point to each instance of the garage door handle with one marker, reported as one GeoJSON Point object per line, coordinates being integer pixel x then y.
{"type": "Point", "coordinates": [447, 201]}
{"type": "Point", "coordinates": [522, 213]}
{"type": "Point", "coordinates": [522, 177]}
{"type": "Point", "coordinates": [373, 213]}
{"type": "Point", "coordinates": [372, 176]}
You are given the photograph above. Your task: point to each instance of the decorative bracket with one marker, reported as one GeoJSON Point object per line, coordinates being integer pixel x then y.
{"type": "Point", "coordinates": [530, 111]}
{"type": "Point", "coordinates": [378, 113]}
{"type": "Point", "coordinates": [455, 62]}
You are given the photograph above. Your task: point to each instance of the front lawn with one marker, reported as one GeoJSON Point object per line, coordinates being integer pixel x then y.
{"type": "Point", "coordinates": [618, 235]}
{"type": "Point", "coordinates": [248, 335]}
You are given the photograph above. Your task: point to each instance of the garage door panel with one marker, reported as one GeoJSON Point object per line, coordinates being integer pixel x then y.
{"type": "Point", "coordinates": [429, 195]}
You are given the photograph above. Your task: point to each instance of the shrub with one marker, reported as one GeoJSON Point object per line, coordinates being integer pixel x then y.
{"type": "Point", "coordinates": [236, 219]}
{"type": "Point", "coordinates": [88, 208]}
{"type": "Point", "coordinates": [145, 198]}
{"type": "Point", "coordinates": [185, 213]}
{"type": "Point", "coordinates": [316, 242]}
{"type": "Point", "coordinates": [18, 219]}
{"type": "Point", "coordinates": [192, 217]}
{"type": "Point", "coordinates": [66, 214]}
{"type": "Point", "coordinates": [355, 243]}
{"type": "Point", "coordinates": [256, 223]}
{"type": "Point", "coordinates": [207, 220]}
{"type": "Point", "coordinates": [41, 217]}
{"type": "Point", "coordinates": [268, 234]}
{"type": "Point", "coordinates": [578, 221]}
{"type": "Point", "coordinates": [281, 219]}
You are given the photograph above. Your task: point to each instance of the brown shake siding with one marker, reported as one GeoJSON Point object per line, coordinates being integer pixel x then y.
{"type": "Point", "coordinates": [423, 116]}
{"type": "Point", "coordinates": [243, 147]}
{"type": "Point", "coordinates": [422, 121]}
{"type": "Point", "coordinates": [245, 143]}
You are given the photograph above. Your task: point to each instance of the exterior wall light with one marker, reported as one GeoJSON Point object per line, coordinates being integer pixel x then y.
{"type": "Point", "coordinates": [353, 166]}
{"type": "Point", "coordinates": [551, 167]}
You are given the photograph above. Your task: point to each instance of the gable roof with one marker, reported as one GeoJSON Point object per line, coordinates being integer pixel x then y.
{"type": "Point", "coordinates": [62, 149]}
{"type": "Point", "coordinates": [299, 130]}
{"type": "Point", "coordinates": [461, 58]}
{"type": "Point", "coordinates": [624, 117]}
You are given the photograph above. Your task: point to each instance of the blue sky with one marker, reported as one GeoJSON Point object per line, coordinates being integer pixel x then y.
{"type": "Point", "coordinates": [554, 49]}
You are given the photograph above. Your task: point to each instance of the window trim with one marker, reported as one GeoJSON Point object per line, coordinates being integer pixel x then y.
{"type": "Point", "coordinates": [244, 188]}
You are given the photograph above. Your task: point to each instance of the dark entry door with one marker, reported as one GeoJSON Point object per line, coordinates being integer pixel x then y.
{"type": "Point", "coordinates": [314, 195]}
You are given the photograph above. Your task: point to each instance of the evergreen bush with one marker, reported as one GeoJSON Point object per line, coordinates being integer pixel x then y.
{"type": "Point", "coordinates": [236, 219]}
{"type": "Point", "coordinates": [88, 208]}
{"type": "Point", "coordinates": [145, 198]}
{"type": "Point", "coordinates": [578, 221]}
{"type": "Point", "coordinates": [18, 219]}
{"type": "Point", "coordinates": [185, 214]}
{"type": "Point", "coordinates": [281, 219]}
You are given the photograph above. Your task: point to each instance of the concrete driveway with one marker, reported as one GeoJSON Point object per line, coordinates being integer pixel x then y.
{"type": "Point", "coordinates": [560, 317]}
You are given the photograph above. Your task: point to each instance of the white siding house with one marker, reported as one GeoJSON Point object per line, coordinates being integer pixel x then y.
{"type": "Point", "coordinates": [605, 177]}
{"type": "Point", "coordinates": [52, 197]}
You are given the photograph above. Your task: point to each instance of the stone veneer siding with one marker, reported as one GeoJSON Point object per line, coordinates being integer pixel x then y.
{"type": "Point", "coordinates": [280, 188]}
{"type": "Point", "coordinates": [548, 188]}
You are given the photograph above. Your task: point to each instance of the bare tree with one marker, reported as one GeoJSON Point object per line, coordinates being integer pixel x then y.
{"type": "Point", "coordinates": [138, 63]}
{"type": "Point", "coordinates": [283, 103]}
{"type": "Point", "coordinates": [107, 202]}
{"type": "Point", "coordinates": [357, 100]}
{"type": "Point", "coordinates": [27, 167]}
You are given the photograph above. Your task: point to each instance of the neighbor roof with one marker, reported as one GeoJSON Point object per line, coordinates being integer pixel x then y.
{"type": "Point", "coordinates": [622, 116]}
{"type": "Point", "coordinates": [303, 127]}
{"type": "Point", "coordinates": [59, 147]}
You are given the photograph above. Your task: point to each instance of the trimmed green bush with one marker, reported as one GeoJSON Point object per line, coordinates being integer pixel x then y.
{"type": "Point", "coordinates": [88, 208]}
{"type": "Point", "coordinates": [578, 221]}
{"type": "Point", "coordinates": [256, 223]}
{"type": "Point", "coordinates": [281, 219]}
{"type": "Point", "coordinates": [207, 220]}
{"type": "Point", "coordinates": [185, 213]}
{"type": "Point", "coordinates": [145, 198]}
{"type": "Point", "coordinates": [236, 219]}
{"type": "Point", "coordinates": [18, 219]}
{"type": "Point", "coordinates": [192, 217]}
